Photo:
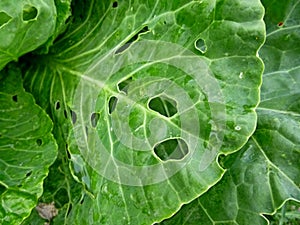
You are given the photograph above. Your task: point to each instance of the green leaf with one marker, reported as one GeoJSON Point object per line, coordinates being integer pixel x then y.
{"type": "Point", "coordinates": [63, 11]}
{"type": "Point", "coordinates": [288, 214]}
{"type": "Point", "coordinates": [24, 26]}
{"type": "Point", "coordinates": [252, 185]}
{"type": "Point", "coordinates": [266, 172]}
{"type": "Point", "coordinates": [27, 148]}
{"type": "Point", "coordinates": [59, 187]}
{"type": "Point", "coordinates": [150, 108]}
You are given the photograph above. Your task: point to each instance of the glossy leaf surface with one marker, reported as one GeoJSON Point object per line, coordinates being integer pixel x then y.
{"type": "Point", "coordinates": [101, 75]}
{"type": "Point", "coordinates": [266, 172]}
{"type": "Point", "coordinates": [27, 149]}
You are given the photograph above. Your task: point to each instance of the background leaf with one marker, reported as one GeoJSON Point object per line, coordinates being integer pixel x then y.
{"type": "Point", "coordinates": [63, 13]}
{"type": "Point", "coordinates": [288, 214]}
{"type": "Point", "coordinates": [27, 148]}
{"type": "Point", "coordinates": [266, 172]}
{"type": "Point", "coordinates": [59, 187]}
{"type": "Point", "coordinates": [24, 27]}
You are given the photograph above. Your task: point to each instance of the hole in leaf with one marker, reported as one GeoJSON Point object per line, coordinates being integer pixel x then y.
{"type": "Point", "coordinates": [221, 160]}
{"type": "Point", "coordinates": [65, 114]}
{"type": "Point", "coordinates": [94, 119]}
{"type": "Point", "coordinates": [200, 45]}
{"type": "Point", "coordinates": [115, 4]}
{"type": "Point", "coordinates": [15, 98]}
{"type": "Point", "coordinates": [69, 209]}
{"type": "Point", "coordinates": [134, 38]}
{"type": "Point", "coordinates": [73, 116]}
{"type": "Point", "coordinates": [2, 189]}
{"type": "Point", "coordinates": [82, 201]}
{"type": "Point", "coordinates": [280, 24]}
{"type": "Point", "coordinates": [4, 18]}
{"type": "Point", "coordinates": [29, 12]}
{"type": "Point", "coordinates": [164, 106]}
{"type": "Point", "coordinates": [112, 103]}
{"type": "Point", "coordinates": [68, 153]}
{"type": "Point", "coordinates": [28, 174]}
{"type": "Point", "coordinates": [57, 105]}
{"type": "Point", "coordinates": [86, 131]}
{"type": "Point", "coordinates": [68, 20]}
{"type": "Point", "coordinates": [171, 149]}
{"type": "Point", "coordinates": [123, 86]}
{"type": "Point", "coordinates": [39, 142]}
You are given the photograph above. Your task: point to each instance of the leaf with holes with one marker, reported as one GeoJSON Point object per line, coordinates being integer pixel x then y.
{"type": "Point", "coordinates": [62, 16]}
{"type": "Point", "coordinates": [151, 108]}
{"type": "Point", "coordinates": [59, 187]}
{"type": "Point", "coordinates": [27, 149]}
{"type": "Point", "coordinates": [266, 172]}
{"type": "Point", "coordinates": [24, 26]}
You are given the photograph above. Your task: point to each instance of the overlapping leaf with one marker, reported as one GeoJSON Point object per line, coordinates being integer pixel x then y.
{"type": "Point", "coordinates": [105, 90]}
{"type": "Point", "coordinates": [27, 149]}
{"type": "Point", "coordinates": [59, 187]}
{"type": "Point", "coordinates": [266, 172]}
{"type": "Point", "coordinates": [24, 26]}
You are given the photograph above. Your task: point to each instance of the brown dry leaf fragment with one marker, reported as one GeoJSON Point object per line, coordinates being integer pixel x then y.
{"type": "Point", "coordinates": [46, 211]}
